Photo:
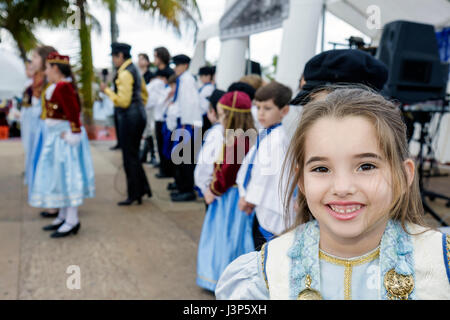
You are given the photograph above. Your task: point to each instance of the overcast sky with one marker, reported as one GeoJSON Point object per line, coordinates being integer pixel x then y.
{"type": "Point", "coordinates": [145, 33]}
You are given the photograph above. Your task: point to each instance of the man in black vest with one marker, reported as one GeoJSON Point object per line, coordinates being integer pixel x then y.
{"type": "Point", "coordinates": [129, 96]}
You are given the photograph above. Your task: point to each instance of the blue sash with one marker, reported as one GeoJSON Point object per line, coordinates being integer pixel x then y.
{"type": "Point", "coordinates": [267, 235]}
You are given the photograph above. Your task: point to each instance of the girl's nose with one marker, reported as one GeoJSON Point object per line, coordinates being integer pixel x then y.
{"type": "Point", "coordinates": [343, 185]}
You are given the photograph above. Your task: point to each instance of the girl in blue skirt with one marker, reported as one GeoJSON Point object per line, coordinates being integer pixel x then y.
{"type": "Point", "coordinates": [227, 231]}
{"type": "Point", "coordinates": [64, 173]}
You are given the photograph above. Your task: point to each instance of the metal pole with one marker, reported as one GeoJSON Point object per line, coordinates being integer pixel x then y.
{"type": "Point", "coordinates": [324, 10]}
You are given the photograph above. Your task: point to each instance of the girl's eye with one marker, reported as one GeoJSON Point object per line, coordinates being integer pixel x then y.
{"type": "Point", "coordinates": [366, 167]}
{"type": "Point", "coordinates": [320, 169]}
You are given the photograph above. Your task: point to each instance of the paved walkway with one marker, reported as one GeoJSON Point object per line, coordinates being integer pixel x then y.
{"type": "Point", "coordinates": [137, 252]}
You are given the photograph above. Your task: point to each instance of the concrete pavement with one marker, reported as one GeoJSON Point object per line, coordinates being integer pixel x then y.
{"type": "Point", "coordinates": [137, 252]}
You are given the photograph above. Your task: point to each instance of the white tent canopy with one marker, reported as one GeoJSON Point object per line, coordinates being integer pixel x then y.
{"type": "Point", "coordinates": [12, 75]}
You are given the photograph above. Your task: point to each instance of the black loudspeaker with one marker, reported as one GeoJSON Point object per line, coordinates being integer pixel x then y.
{"type": "Point", "coordinates": [410, 51]}
{"type": "Point", "coordinates": [255, 68]}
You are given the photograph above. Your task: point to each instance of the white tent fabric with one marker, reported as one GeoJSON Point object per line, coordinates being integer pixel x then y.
{"type": "Point", "coordinates": [360, 13]}
{"type": "Point", "coordinates": [12, 75]}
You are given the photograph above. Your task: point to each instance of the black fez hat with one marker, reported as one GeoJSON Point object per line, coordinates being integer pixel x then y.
{"type": "Point", "coordinates": [117, 47]}
{"type": "Point", "coordinates": [181, 59]}
{"type": "Point", "coordinates": [341, 66]}
{"type": "Point", "coordinates": [215, 97]}
{"type": "Point", "coordinates": [205, 71]}
{"type": "Point", "coordinates": [244, 87]}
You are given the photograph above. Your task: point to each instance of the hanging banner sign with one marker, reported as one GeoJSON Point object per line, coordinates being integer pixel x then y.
{"type": "Point", "coordinates": [246, 17]}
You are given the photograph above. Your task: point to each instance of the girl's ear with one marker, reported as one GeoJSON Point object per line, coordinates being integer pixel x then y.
{"type": "Point", "coordinates": [410, 170]}
{"type": "Point", "coordinates": [300, 182]}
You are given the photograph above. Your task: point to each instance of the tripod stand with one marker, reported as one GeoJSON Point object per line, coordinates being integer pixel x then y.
{"type": "Point", "coordinates": [423, 192]}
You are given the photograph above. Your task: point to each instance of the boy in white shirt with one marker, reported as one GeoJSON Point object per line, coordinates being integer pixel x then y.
{"type": "Point", "coordinates": [207, 87]}
{"type": "Point", "coordinates": [212, 145]}
{"type": "Point", "coordinates": [154, 108]}
{"type": "Point", "coordinates": [260, 174]}
{"type": "Point", "coordinates": [189, 124]}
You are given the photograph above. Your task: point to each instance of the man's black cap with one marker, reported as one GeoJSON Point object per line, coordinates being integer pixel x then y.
{"type": "Point", "coordinates": [117, 47]}
{"type": "Point", "coordinates": [341, 66]}
{"type": "Point", "coordinates": [244, 87]}
{"type": "Point", "coordinates": [215, 97]}
{"type": "Point", "coordinates": [205, 71]}
{"type": "Point", "coordinates": [181, 59]}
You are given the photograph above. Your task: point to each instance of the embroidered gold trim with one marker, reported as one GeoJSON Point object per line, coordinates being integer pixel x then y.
{"type": "Point", "coordinates": [43, 115]}
{"type": "Point", "coordinates": [207, 279]}
{"type": "Point", "coordinates": [447, 239]}
{"type": "Point", "coordinates": [263, 248]}
{"type": "Point", "coordinates": [349, 264]}
{"type": "Point", "coordinates": [309, 293]}
{"type": "Point", "coordinates": [60, 61]}
{"type": "Point", "coordinates": [398, 286]}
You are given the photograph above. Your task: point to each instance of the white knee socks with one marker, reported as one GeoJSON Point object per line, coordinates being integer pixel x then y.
{"type": "Point", "coordinates": [71, 219]}
{"type": "Point", "coordinates": [61, 216]}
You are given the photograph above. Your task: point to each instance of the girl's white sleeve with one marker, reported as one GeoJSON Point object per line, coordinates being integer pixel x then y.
{"type": "Point", "coordinates": [243, 279]}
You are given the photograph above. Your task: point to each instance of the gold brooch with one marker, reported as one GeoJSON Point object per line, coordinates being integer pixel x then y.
{"type": "Point", "coordinates": [398, 286]}
{"type": "Point", "coordinates": [309, 293]}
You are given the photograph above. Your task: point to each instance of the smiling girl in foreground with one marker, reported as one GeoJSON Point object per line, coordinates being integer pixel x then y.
{"type": "Point", "coordinates": [359, 232]}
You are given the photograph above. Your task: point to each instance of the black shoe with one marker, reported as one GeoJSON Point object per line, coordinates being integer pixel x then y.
{"type": "Point", "coordinates": [74, 230]}
{"type": "Point", "coordinates": [185, 196]}
{"type": "Point", "coordinates": [172, 186]}
{"type": "Point", "coordinates": [149, 193]}
{"type": "Point", "coordinates": [128, 202]}
{"type": "Point", "coordinates": [116, 147]}
{"type": "Point", "coordinates": [174, 193]}
{"type": "Point", "coordinates": [46, 214]}
{"type": "Point", "coordinates": [52, 227]}
{"type": "Point", "coordinates": [153, 161]}
{"type": "Point", "coordinates": [156, 165]}
{"type": "Point", "coordinates": [162, 175]}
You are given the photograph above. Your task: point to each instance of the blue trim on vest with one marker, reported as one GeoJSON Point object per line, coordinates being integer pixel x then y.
{"type": "Point", "coordinates": [265, 261]}
{"type": "Point", "coordinates": [446, 250]}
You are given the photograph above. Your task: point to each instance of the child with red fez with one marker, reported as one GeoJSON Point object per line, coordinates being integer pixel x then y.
{"type": "Point", "coordinates": [64, 173]}
{"type": "Point", "coordinates": [227, 231]}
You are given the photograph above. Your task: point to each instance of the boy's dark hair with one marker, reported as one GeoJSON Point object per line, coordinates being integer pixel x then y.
{"type": "Point", "coordinates": [214, 98]}
{"type": "Point", "coordinates": [244, 87]}
{"type": "Point", "coordinates": [163, 54]}
{"type": "Point", "coordinates": [279, 93]}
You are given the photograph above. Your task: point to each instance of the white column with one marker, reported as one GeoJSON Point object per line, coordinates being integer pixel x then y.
{"type": "Point", "coordinates": [198, 59]}
{"type": "Point", "coordinates": [299, 40]}
{"type": "Point", "coordinates": [231, 64]}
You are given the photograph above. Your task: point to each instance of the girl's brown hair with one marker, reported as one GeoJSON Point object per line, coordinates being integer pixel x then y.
{"type": "Point", "coordinates": [391, 132]}
{"type": "Point", "coordinates": [43, 52]}
{"type": "Point", "coordinates": [254, 80]}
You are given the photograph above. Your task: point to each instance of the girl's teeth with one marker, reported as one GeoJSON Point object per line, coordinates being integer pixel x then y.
{"type": "Point", "coordinates": [345, 209]}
